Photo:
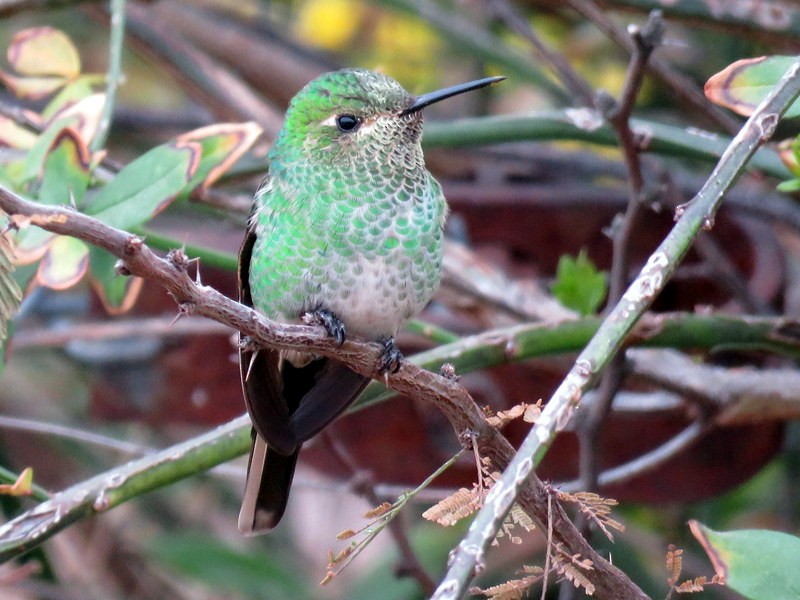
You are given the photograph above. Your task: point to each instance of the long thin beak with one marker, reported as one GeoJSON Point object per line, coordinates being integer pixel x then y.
{"type": "Point", "coordinates": [448, 92]}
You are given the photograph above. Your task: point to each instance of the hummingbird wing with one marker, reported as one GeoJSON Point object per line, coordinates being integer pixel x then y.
{"type": "Point", "coordinates": [287, 405]}
{"type": "Point", "coordinates": [269, 471]}
{"type": "Point", "coordinates": [335, 387]}
{"type": "Point", "coordinates": [260, 372]}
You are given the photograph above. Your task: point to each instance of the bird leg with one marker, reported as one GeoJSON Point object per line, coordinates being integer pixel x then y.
{"type": "Point", "coordinates": [391, 357]}
{"type": "Point", "coordinates": [332, 324]}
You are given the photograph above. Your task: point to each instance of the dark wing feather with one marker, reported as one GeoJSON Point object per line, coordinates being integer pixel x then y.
{"type": "Point", "coordinates": [287, 405]}
{"type": "Point", "coordinates": [335, 388]}
{"type": "Point", "coordinates": [266, 490]}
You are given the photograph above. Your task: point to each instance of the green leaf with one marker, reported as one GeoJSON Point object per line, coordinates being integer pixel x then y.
{"type": "Point", "coordinates": [792, 185]}
{"type": "Point", "coordinates": [759, 564]}
{"type": "Point", "coordinates": [65, 263]}
{"type": "Point", "coordinates": [579, 285]}
{"type": "Point", "coordinates": [37, 155]}
{"type": "Point", "coordinates": [146, 186]}
{"type": "Point", "coordinates": [66, 170]}
{"type": "Point", "coordinates": [11, 172]}
{"type": "Point", "coordinates": [742, 85]}
{"type": "Point", "coordinates": [117, 292]}
{"type": "Point", "coordinates": [252, 574]}
{"type": "Point", "coordinates": [72, 93]}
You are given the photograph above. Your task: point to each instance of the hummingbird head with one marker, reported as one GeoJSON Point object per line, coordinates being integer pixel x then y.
{"type": "Point", "coordinates": [345, 118]}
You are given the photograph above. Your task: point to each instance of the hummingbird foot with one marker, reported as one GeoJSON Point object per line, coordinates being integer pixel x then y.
{"type": "Point", "coordinates": [248, 344]}
{"type": "Point", "coordinates": [391, 357]}
{"type": "Point", "coordinates": [332, 324]}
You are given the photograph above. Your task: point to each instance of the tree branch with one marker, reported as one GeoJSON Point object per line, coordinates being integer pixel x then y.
{"type": "Point", "coordinates": [699, 213]}
{"type": "Point", "coordinates": [107, 490]}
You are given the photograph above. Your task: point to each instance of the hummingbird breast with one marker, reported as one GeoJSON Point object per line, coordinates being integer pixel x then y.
{"type": "Point", "coordinates": [369, 253]}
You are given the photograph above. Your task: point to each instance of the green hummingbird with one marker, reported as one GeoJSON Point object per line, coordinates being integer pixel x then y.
{"type": "Point", "coordinates": [346, 229]}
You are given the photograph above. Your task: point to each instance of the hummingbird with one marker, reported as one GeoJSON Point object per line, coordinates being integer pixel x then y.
{"type": "Point", "coordinates": [346, 231]}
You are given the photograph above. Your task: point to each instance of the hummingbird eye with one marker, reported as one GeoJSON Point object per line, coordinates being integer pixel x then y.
{"type": "Point", "coordinates": [347, 123]}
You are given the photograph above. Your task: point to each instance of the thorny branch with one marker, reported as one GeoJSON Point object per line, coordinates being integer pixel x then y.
{"type": "Point", "coordinates": [618, 113]}
{"type": "Point", "coordinates": [192, 298]}
{"type": "Point", "coordinates": [607, 341]}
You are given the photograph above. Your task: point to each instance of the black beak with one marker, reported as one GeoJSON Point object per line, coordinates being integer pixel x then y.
{"type": "Point", "coordinates": [428, 99]}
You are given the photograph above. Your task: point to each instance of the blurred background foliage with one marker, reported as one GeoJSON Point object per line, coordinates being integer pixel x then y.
{"type": "Point", "coordinates": [518, 208]}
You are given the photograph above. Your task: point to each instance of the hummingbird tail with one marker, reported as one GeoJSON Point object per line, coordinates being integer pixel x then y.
{"type": "Point", "coordinates": [266, 489]}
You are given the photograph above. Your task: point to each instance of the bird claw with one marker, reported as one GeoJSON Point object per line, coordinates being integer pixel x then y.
{"type": "Point", "coordinates": [391, 357]}
{"type": "Point", "coordinates": [246, 343]}
{"type": "Point", "coordinates": [332, 324]}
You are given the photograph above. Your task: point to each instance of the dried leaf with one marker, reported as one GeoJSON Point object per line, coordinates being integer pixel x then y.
{"type": "Point", "coordinates": [452, 509]}
{"type": "Point", "coordinates": [520, 518]}
{"type": "Point", "coordinates": [44, 51]}
{"type": "Point", "coordinates": [571, 567]}
{"type": "Point", "coordinates": [345, 535]}
{"type": "Point", "coordinates": [533, 411]}
{"type": "Point", "coordinates": [692, 585]}
{"type": "Point", "coordinates": [378, 511]}
{"type": "Point", "coordinates": [674, 564]}
{"type": "Point", "coordinates": [506, 416]}
{"type": "Point", "coordinates": [333, 559]}
{"type": "Point", "coordinates": [578, 579]}
{"type": "Point", "coordinates": [514, 589]}
{"type": "Point", "coordinates": [597, 508]}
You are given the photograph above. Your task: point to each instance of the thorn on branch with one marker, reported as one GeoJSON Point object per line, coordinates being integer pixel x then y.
{"type": "Point", "coordinates": [120, 268]}
{"type": "Point", "coordinates": [448, 371]}
{"type": "Point", "coordinates": [133, 245]}
{"type": "Point", "coordinates": [178, 259]}
{"type": "Point", "coordinates": [197, 279]}
{"type": "Point", "coordinates": [184, 310]}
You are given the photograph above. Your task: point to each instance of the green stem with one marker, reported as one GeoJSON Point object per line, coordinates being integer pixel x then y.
{"type": "Point", "coordinates": [538, 340]}
{"type": "Point", "coordinates": [114, 73]}
{"type": "Point", "coordinates": [587, 126]}
{"type": "Point", "coordinates": [208, 257]}
{"type": "Point", "coordinates": [112, 488]}
{"type": "Point", "coordinates": [436, 334]}
{"type": "Point", "coordinates": [469, 353]}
